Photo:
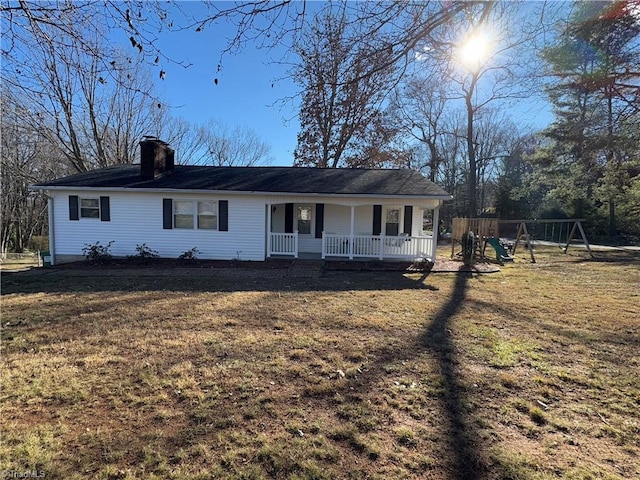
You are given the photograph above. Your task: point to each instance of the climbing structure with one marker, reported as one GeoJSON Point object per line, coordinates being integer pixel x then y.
{"type": "Point", "coordinates": [486, 231]}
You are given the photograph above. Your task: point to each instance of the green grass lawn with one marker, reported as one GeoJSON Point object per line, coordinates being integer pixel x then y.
{"type": "Point", "coordinates": [529, 373]}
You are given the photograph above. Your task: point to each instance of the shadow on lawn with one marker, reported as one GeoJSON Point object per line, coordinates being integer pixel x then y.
{"type": "Point", "coordinates": [212, 280]}
{"type": "Point", "coordinates": [437, 339]}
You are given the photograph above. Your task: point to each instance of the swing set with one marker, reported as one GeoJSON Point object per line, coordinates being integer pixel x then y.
{"type": "Point", "coordinates": [559, 232]}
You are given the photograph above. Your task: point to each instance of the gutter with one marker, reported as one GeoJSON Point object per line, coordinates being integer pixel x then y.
{"type": "Point", "coordinates": [50, 219]}
{"type": "Point", "coordinates": [235, 192]}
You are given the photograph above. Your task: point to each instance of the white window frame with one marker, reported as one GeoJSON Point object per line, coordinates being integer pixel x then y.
{"type": "Point", "coordinates": [427, 220]}
{"type": "Point", "coordinates": [96, 208]}
{"type": "Point", "coordinates": [196, 217]}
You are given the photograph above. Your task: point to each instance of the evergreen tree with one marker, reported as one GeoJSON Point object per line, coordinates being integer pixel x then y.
{"type": "Point", "coordinates": [596, 69]}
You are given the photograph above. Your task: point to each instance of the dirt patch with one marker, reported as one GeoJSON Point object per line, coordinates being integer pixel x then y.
{"type": "Point", "coordinates": [164, 267]}
{"type": "Point", "coordinates": [440, 265]}
{"type": "Point", "coordinates": [172, 263]}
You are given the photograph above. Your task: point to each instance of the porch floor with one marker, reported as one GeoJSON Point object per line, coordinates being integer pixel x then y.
{"type": "Point", "coordinates": [328, 258]}
{"type": "Point", "coordinates": [312, 266]}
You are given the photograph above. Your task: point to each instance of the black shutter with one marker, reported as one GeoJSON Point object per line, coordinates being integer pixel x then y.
{"type": "Point", "coordinates": [223, 215]}
{"type": "Point", "coordinates": [408, 219]}
{"type": "Point", "coordinates": [105, 211]}
{"type": "Point", "coordinates": [319, 219]}
{"type": "Point", "coordinates": [167, 213]}
{"type": "Point", "coordinates": [74, 211]}
{"type": "Point", "coordinates": [288, 218]}
{"type": "Point", "coordinates": [377, 219]}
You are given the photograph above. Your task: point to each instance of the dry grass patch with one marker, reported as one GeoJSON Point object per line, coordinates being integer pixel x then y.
{"type": "Point", "coordinates": [530, 373]}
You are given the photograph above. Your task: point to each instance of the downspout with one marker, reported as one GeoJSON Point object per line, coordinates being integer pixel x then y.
{"type": "Point", "coordinates": [52, 242]}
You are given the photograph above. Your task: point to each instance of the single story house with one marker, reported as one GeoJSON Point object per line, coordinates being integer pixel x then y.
{"type": "Point", "coordinates": [246, 213]}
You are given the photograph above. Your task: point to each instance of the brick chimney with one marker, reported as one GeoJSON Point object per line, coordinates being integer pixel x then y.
{"type": "Point", "coordinates": [156, 158]}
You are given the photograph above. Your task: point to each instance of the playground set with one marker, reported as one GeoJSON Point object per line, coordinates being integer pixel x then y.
{"type": "Point", "coordinates": [486, 232]}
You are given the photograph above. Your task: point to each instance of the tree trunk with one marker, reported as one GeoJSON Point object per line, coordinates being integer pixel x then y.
{"type": "Point", "coordinates": [472, 209]}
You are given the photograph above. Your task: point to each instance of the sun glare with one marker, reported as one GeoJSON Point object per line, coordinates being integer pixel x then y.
{"type": "Point", "coordinates": [474, 51]}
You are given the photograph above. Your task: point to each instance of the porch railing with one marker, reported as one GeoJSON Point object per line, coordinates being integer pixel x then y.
{"type": "Point", "coordinates": [283, 244]}
{"type": "Point", "coordinates": [376, 246]}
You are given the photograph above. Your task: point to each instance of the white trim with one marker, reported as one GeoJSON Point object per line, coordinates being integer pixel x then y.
{"type": "Point", "coordinates": [195, 223]}
{"type": "Point", "coordinates": [351, 232]}
{"type": "Point", "coordinates": [52, 243]}
{"type": "Point", "coordinates": [269, 220]}
{"type": "Point", "coordinates": [238, 192]}
{"type": "Point", "coordinates": [80, 208]}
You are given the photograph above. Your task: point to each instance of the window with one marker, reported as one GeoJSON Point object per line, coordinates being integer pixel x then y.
{"type": "Point", "coordinates": [208, 215]}
{"type": "Point", "coordinates": [191, 214]}
{"type": "Point", "coordinates": [182, 214]}
{"type": "Point", "coordinates": [304, 220]}
{"type": "Point", "coordinates": [392, 224]}
{"type": "Point", "coordinates": [427, 222]}
{"type": "Point", "coordinates": [89, 208]}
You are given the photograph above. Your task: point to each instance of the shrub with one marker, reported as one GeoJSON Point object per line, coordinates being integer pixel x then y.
{"type": "Point", "coordinates": [145, 254]}
{"type": "Point", "coordinates": [98, 254]}
{"type": "Point", "coordinates": [189, 254]}
{"type": "Point", "coordinates": [38, 243]}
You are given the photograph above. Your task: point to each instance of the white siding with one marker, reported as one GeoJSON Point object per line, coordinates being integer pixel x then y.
{"type": "Point", "coordinates": [364, 220]}
{"type": "Point", "coordinates": [416, 222]}
{"type": "Point", "coordinates": [337, 219]}
{"type": "Point", "coordinates": [136, 218]}
{"type": "Point", "coordinates": [277, 218]}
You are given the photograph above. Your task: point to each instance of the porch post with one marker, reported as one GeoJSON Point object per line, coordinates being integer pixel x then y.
{"type": "Point", "coordinates": [324, 245]}
{"type": "Point", "coordinates": [295, 244]}
{"type": "Point", "coordinates": [269, 207]}
{"type": "Point", "coordinates": [436, 220]}
{"type": "Point", "coordinates": [353, 216]}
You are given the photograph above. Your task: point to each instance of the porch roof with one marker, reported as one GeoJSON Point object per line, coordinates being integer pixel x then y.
{"type": "Point", "coordinates": [292, 180]}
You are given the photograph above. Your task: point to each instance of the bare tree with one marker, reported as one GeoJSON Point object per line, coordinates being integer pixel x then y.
{"type": "Point", "coordinates": [487, 60]}
{"type": "Point", "coordinates": [419, 108]}
{"type": "Point", "coordinates": [87, 24]}
{"type": "Point", "coordinates": [26, 158]}
{"type": "Point", "coordinates": [234, 146]}
{"type": "Point", "coordinates": [186, 138]}
{"type": "Point", "coordinates": [87, 98]}
{"type": "Point", "coordinates": [392, 29]}
{"type": "Point", "coordinates": [398, 26]}
{"type": "Point", "coordinates": [215, 143]}
{"type": "Point", "coordinates": [496, 136]}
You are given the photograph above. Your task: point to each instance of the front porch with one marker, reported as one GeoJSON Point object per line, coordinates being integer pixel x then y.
{"type": "Point", "coordinates": [380, 247]}
{"type": "Point", "coordinates": [328, 231]}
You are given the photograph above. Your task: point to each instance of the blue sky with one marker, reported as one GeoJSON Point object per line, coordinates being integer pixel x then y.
{"type": "Point", "coordinates": [250, 86]}
{"type": "Point", "coordinates": [248, 91]}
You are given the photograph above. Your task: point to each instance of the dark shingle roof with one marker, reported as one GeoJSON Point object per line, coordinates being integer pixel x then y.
{"type": "Point", "coordinates": [340, 181]}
